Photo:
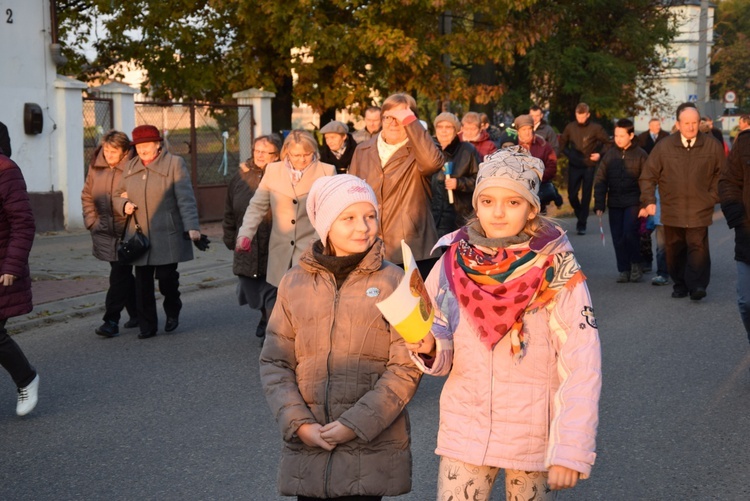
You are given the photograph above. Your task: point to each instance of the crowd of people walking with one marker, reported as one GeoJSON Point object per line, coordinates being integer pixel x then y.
{"type": "Point", "coordinates": [316, 231]}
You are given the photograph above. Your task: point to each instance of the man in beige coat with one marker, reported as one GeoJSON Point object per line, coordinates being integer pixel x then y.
{"type": "Point", "coordinates": [398, 163]}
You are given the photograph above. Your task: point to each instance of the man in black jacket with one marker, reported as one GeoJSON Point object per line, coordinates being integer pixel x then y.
{"type": "Point", "coordinates": [582, 142]}
{"type": "Point", "coordinates": [647, 140]}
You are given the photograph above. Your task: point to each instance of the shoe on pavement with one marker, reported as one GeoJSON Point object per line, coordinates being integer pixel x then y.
{"type": "Point", "coordinates": [146, 335]}
{"type": "Point", "coordinates": [623, 278]}
{"type": "Point", "coordinates": [636, 274]}
{"type": "Point", "coordinates": [28, 397]}
{"type": "Point", "coordinates": [679, 294]}
{"type": "Point", "coordinates": [581, 232]}
{"type": "Point", "coordinates": [659, 280]}
{"type": "Point", "coordinates": [108, 329]}
{"type": "Point", "coordinates": [133, 322]}
{"type": "Point", "coordinates": [697, 294]}
{"type": "Point", "coordinates": [260, 331]}
{"type": "Point", "coordinates": [172, 323]}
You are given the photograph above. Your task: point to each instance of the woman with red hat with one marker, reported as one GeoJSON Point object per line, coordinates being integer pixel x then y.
{"type": "Point", "coordinates": [157, 190]}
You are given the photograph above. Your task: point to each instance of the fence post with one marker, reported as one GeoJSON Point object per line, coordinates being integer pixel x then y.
{"type": "Point", "coordinates": [260, 119]}
{"type": "Point", "coordinates": [69, 148]}
{"type": "Point", "coordinates": [123, 105]}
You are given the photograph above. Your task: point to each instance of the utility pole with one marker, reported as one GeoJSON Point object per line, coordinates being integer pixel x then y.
{"type": "Point", "coordinates": [702, 56]}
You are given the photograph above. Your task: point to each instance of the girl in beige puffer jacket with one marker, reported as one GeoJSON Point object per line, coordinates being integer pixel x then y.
{"type": "Point", "coordinates": [336, 376]}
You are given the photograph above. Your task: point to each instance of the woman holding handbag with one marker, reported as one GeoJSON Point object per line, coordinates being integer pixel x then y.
{"type": "Point", "coordinates": [106, 226]}
{"type": "Point", "coordinates": [157, 185]}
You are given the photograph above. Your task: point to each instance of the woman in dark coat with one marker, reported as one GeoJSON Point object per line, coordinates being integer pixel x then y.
{"type": "Point", "coordinates": [250, 267]}
{"type": "Point", "coordinates": [16, 237]}
{"type": "Point", "coordinates": [156, 186]}
{"type": "Point", "coordinates": [462, 158]}
{"type": "Point", "coordinates": [106, 225]}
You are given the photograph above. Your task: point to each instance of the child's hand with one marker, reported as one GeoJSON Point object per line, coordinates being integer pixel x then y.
{"type": "Point", "coordinates": [336, 433]}
{"type": "Point", "coordinates": [426, 345]}
{"type": "Point", "coordinates": [310, 435]}
{"type": "Point", "coordinates": [599, 213]}
{"type": "Point", "coordinates": [561, 477]}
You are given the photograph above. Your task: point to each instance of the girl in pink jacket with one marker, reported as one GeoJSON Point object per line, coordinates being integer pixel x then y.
{"type": "Point", "coordinates": [516, 334]}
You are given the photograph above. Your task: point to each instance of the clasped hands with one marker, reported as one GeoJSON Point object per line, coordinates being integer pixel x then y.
{"type": "Point", "coordinates": [326, 437]}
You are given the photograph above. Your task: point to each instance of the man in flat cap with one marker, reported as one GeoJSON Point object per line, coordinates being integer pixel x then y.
{"type": "Point", "coordinates": [339, 146]}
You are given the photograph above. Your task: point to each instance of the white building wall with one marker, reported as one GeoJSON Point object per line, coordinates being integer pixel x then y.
{"type": "Point", "coordinates": [28, 75]}
{"type": "Point", "coordinates": [680, 80]}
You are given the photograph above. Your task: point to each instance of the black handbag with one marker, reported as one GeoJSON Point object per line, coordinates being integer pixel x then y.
{"type": "Point", "coordinates": [131, 249]}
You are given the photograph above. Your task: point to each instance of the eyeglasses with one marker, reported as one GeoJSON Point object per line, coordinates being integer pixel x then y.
{"type": "Point", "coordinates": [388, 119]}
{"type": "Point", "coordinates": [262, 152]}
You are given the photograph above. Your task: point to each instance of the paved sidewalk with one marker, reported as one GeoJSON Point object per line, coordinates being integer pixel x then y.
{"type": "Point", "coordinates": [69, 281]}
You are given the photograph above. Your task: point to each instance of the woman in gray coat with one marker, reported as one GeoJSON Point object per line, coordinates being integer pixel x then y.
{"type": "Point", "coordinates": [156, 189]}
{"type": "Point", "coordinates": [105, 225]}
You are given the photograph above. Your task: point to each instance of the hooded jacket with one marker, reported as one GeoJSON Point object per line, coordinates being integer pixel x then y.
{"type": "Point", "coordinates": [526, 415]}
{"type": "Point", "coordinates": [330, 355]}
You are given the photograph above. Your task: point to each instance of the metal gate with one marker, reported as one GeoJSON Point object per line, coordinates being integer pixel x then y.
{"type": "Point", "coordinates": [212, 138]}
{"type": "Point", "coordinates": [97, 119]}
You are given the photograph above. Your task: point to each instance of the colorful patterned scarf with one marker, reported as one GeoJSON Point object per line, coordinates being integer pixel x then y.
{"type": "Point", "coordinates": [496, 291]}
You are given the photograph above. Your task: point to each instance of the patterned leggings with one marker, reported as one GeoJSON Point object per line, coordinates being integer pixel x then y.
{"type": "Point", "coordinates": [462, 481]}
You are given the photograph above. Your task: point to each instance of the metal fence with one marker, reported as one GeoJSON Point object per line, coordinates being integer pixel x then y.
{"type": "Point", "coordinates": [97, 119]}
{"type": "Point", "coordinates": [210, 137]}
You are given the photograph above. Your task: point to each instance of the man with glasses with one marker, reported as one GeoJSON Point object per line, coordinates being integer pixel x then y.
{"type": "Point", "coordinates": [398, 163]}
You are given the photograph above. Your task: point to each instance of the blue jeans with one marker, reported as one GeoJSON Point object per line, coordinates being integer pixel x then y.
{"type": "Point", "coordinates": [661, 253]}
{"type": "Point", "coordinates": [743, 294]}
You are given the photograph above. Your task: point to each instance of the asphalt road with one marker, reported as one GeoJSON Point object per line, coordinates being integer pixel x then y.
{"type": "Point", "coordinates": [182, 416]}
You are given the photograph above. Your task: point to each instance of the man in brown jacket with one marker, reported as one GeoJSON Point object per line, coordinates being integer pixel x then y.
{"type": "Point", "coordinates": [686, 167]}
{"type": "Point", "coordinates": [398, 164]}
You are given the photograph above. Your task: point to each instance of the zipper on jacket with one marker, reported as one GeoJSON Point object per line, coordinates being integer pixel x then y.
{"type": "Point", "coordinates": [328, 381]}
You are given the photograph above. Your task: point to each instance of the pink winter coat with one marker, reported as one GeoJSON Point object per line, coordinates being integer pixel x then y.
{"type": "Point", "coordinates": [526, 415]}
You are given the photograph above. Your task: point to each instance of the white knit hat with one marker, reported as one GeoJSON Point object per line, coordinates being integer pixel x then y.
{"type": "Point", "coordinates": [513, 168]}
{"type": "Point", "coordinates": [330, 196]}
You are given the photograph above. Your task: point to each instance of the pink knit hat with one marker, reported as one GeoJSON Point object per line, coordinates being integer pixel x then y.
{"type": "Point", "coordinates": [330, 196]}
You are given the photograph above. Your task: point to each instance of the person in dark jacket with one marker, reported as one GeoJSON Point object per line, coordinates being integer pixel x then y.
{"type": "Point", "coordinates": [250, 267]}
{"type": "Point", "coordinates": [16, 237]}
{"type": "Point", "coordinates": [616, 186]}
{"type": "Point", "coordinates": [647, 140]}
{"type": "Point", "coordinates": [4, 141]}
{"type": "Point", "coordinates": [458, 176]}
{"type": "Point", "coordinates": [543, 129]}
{"type": "Point", "coordinates": [686, 167]}
{"type": "Point", "coordinates": [583, 142]}
{"type": "Point", "coordinates": [106, 225]}
{"type": "Point", "coordinates": [339, 146]}
{"type": "Point", "coordinates": [734, 194]}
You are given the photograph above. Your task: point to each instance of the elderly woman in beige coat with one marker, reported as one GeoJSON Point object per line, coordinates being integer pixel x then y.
{"type": "Point", "coordinates": [284, 190]}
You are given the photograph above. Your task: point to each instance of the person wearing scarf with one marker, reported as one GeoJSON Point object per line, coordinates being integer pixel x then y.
{"type": "Point", "coordinates": [515, 332]}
